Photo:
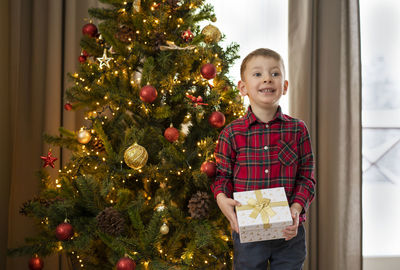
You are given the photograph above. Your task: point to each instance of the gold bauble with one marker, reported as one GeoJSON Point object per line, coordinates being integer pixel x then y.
{"type": "Point", "coordinates": [135, 156]}
{"type": "Point", "coordinates": [164, 229]}
{"type": "Point", "coordinates": [84, 136]}
{"type": "Point", "coordinates": [211, 34]}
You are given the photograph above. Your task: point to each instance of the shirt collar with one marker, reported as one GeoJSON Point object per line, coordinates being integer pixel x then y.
{"type": "Point", "coordinates": [251, 118]}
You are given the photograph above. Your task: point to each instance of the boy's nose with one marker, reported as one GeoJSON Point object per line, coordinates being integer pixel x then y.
{"type": "Point", "coordinates": [267, 79]}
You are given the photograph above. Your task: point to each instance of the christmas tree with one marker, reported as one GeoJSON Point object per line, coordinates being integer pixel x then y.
{"type": "Point", "coordinates": [135, 193]}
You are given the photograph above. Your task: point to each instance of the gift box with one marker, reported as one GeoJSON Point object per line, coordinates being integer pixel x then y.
{"type": "Point", "coordinates": [263, 214]}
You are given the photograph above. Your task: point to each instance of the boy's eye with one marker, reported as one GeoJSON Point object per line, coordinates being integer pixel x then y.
{"type": "Point", "coordinates": [275, 74]}
{"type": "Point", "coordinates": [257, 74]}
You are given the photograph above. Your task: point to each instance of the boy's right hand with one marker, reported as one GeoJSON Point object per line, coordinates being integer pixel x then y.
{"type": "Point", "coordinates": [227, 206]}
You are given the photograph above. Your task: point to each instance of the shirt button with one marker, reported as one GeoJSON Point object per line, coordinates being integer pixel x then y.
{"type": "Point", "coordinates": [265, 147]}
{"type": "Point", "coordinates": [266, 171]}
{"type": "Point", "coordinates": [267, 126]}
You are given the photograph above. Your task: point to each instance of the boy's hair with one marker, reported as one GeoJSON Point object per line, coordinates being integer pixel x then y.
{"type": "Point", "coordinates": [260, 52]}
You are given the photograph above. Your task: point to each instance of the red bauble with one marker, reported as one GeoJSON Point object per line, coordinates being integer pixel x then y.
{"type": "Point", "coordinates": [89, 29]}
{"type": "Point", "coordinates": [126, 264]}
{"type": "Point", "coordinates": [68, 106]}
{"type": "Point", "coordinates": [36, 263]}
{"type": "Point", "coordinates": [171, 134]}
{"type": "Point", "coordinates": [187, 35]}
{"type": "Point", "coordinates": [82, 58]}
{"type": "Point", "coordinates": [217, 119]}
{"type": "Point", "coordinates": [209, 168]}
{"type": "Point", "coordinates": [85, 53]}
{"type": "Point", "coordinates": [148, 94]}
{"type": "Point", "coordinates": [64, 231]}
{"type": "Point", "coordinates": [208, 71]}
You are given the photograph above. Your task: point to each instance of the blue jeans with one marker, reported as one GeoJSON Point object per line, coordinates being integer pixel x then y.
{"type": "Point", "coordinates": [280, 254]}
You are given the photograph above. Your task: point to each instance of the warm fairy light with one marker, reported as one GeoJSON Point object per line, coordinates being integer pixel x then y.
{"type": "Point", "coordinates": [137, 32]}
{"type": "Point", "coordinates": [179, 173]}
{"type": "Point", "coordinates": [116, 72]}
{"type": "Point", "coordinates": [144, 20]}
{"type": "Point", "coordinates": [156, 21]}
{"type": "Point", "coordinates": [199, 154]}
{"type": "Point", "coordinates": [104, 159]}
{"type": "Point", "coordinates": [105, 97]}
{"type": "Point", "coordinates": [205, 261]}
{"type": "Point", "coordinates": [183, 150]}
{"type": "Point", "coordinates": [111, 201]}
{"type": "Point", "coordinates": [97, 103]}
{"type": "Point", "coordinates": [125, 3]}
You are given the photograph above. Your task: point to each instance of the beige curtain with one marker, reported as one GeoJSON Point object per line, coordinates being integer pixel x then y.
{"type": "Point", "coordinates": [325, 91]}
{"type": "Point", "coordinates": [40, 43]}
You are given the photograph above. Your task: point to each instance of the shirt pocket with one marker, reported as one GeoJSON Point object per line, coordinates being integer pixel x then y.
{"type": "Point", "coordinates": [287, 154]}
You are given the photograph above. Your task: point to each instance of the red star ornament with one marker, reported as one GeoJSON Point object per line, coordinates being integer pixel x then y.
{"type": "Point", "coordinates": [48, 160]}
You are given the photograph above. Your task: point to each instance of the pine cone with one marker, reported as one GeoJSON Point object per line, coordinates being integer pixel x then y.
{"type": "Point", "coordinates": [159, 39]}
{"type": "Point", "coordinates": [111, 221]}
{"type": "Point", "coordinates": [173, 3]}
{"type": "Point", "coordinates": [125, 34]}
{"type": "Point", "coordinates": [199, 205]}
{"type": "Point", "coordinates": [25, 208]}
{"type": "Point", "coordinates": [98, 145]}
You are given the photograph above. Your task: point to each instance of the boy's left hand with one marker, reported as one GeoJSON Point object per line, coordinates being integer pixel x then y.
{"type": "Point", "coordinates": [291, 231]}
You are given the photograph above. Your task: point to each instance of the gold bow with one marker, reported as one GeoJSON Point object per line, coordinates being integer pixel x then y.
{"type": "Point", "coordinates": [261, 206]}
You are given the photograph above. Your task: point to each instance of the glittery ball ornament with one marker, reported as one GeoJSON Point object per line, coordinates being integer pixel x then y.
{"type": "Point", "coordinates": [217, 119]}
{"type": "Point", "coordinates": [148, 93]}
{"type": "Point", "coordinates": [36, 263]}
{"type": "Point", "coordinates": [208, 71]}
{"type": "Point", "coordinates": [164, 229]}
{"type": "Point", "coordinates": [171, 134]}
{"type": "Point", "coordinates": [135, 156]}
{"type": "Point", "coordinates": [187, 35]}
{"type": "Point", "coordinates": [89, 29]}
{"type": "Point", "coordinates": [64, 231]}
{"type": "Point", "coordinates": [126, 264]}
{"type": "Point", "coordinates": [68, 106]}
{"type": "Point", "coordinates": [209, 168]}
{"type": "Point", "coordinates": [211, 34]}
{"type": "Point", "coordinates": [83, 136]}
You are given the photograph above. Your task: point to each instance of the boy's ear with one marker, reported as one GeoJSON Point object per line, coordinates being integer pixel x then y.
{"type": "Point", "coordinates": [285, 87]}
{"type": "Point", "coordinates": [242, 88]}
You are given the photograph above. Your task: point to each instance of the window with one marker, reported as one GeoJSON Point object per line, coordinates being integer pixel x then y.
{"type": "Point", "coordinates": [380, 40]}
{"type": "Point", "coordinates": [261, 24]}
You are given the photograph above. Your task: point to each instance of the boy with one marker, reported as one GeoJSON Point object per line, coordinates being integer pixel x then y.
{"type": "Point", "coordinates": [265, 149]}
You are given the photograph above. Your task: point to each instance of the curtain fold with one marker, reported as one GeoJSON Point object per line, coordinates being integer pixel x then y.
{"type": "Point", "coordinates": [325, 91]}
{"type": "Point", "coordinates": [41, 44]}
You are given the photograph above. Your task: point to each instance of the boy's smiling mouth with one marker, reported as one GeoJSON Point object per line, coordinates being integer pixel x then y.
{"type": "Point", "coordinates": [267, 90]}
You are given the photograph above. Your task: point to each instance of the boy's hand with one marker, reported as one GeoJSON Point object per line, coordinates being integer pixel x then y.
{"type": "Point", "coordinates": [227, 206]}
{"type": "Point", "coordinates": [291, 231]}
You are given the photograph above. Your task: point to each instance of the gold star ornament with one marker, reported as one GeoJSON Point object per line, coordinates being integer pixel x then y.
{"type": "Point", "coordinates": [104, 60]}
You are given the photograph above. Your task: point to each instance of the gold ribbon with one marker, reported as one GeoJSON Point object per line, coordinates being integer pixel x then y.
{"type": "Point", "coordinates": [261, 206]}
{"type": "Point", "coordinates": [171, 46]}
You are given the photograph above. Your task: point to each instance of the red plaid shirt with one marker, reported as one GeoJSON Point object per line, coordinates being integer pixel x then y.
{"type": "Point", "coordinates": [254, 155]}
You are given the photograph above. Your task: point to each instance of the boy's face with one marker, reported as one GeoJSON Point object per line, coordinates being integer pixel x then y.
{"type": "Point", "coordinates": [263, 82]}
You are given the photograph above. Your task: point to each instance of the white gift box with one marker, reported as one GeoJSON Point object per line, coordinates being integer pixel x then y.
{"type": "Point", "coordinates": [263, 214]}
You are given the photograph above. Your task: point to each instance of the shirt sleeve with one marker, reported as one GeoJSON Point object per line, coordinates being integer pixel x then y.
{"type": "Point", "coordinates": [225, 157]}
{"type": "Point", "coordinates": [305, 182]}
